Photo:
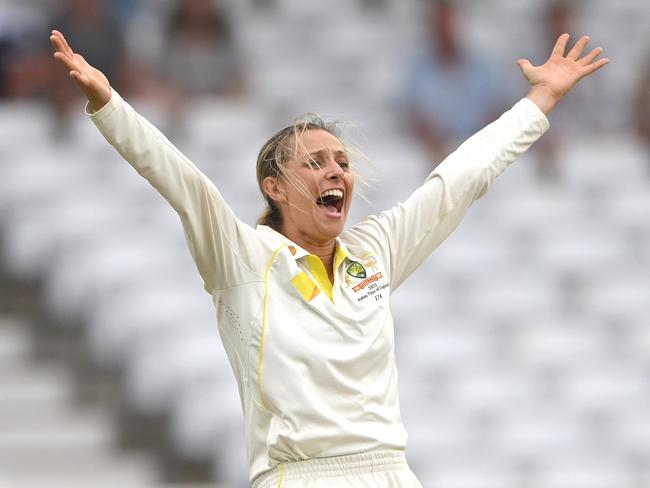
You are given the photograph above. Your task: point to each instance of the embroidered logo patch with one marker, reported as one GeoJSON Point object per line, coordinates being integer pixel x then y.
{"type": "Point", "coordinates": [356, 270]}
{"type": "Point", "coordinates": [365, 283]}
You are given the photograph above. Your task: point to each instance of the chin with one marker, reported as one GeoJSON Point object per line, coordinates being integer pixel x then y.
{"type": "Point", "coordinates": [332, 230]}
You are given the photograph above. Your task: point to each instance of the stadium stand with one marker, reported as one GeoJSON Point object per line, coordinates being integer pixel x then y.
{"type": "Point", "coordinates": [522, 343]}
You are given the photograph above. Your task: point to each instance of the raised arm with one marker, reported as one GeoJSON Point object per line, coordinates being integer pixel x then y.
{"type": "Point", "coordinates": [220, 244]}
{"type": "Point", "coordinates": [413, 229]}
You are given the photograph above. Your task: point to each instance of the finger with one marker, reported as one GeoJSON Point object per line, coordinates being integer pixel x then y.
{"type": "Point", "coordinates": [577, 49]}
{"type": "Point", "coordinates": [594, 66]}
{"type": "Point", "coordinates": [64, 43]}
{"type": "Point", "coordinates": [58, 45]}
{"type": "Point", "coordinates": [67, 61]}
{"type": "Point", "coordinates": [80, 78]}
{"type": "Point", "coordinates": [588, 59]}
{"type": "Point", "coordinates": [560, 45]}
{"type": "Point", "coordinates": [81, 61]}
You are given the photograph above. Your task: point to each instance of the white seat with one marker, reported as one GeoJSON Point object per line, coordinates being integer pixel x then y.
{"type": "Point", "coordinates": [36, 234]}
{"type": "Point", "coordinates": [22, 121]}
{"type": "Point", "coordinates": [619, 294]}
{"type": "Point", "coordinates": [82, 279]}
{"type": "Point", "coordinates": [207, 424]}
{"type": "Point", "coordinates": [604, 384]}
{"type": "Point", "coordinates": [559, 341]}
{"type": "Point", "coordinates": [491, 385]}
{"type": "Point", "coordinates": [164, 365]}
{"type": "Point", "coordinates": [584, 469]}
{"type": "Point", "coordinates": [117, 325]}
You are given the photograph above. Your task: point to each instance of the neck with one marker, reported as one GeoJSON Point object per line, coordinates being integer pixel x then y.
{"type": "Point", "coordinates": [324, 250]}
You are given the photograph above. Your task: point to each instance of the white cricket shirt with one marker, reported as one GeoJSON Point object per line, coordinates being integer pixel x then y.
{"type": "Point", "coordinates": [315, 362]}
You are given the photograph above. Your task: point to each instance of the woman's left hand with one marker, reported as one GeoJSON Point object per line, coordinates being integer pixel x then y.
{"type": "Point", "coordinates": [553, 79]}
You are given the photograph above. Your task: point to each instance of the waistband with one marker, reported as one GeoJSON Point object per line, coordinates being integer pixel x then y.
{"type": "Point", "coordinates": [361, 463]}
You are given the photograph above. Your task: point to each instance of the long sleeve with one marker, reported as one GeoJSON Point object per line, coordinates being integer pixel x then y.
{"type": "Point", "coordinates": [216, 238]}
{"type": "Point", "coordinates": [410, 231]}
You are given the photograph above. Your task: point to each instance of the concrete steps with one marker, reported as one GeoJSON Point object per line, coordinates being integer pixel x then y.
{"type": "Point", "coordinates": [45, 439]}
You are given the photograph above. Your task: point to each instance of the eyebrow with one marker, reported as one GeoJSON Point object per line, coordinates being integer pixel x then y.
{"type": "Point", "coordinates": [321, 151]}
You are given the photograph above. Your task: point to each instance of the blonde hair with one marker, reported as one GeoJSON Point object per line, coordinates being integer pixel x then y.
{"type": "Point", "coordinates": [279, 149]}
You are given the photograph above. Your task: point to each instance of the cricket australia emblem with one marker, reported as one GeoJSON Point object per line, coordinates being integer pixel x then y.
{"type": "Point", "coordinates": [356, 270]}
{"type": "Point", "coordinates": [362, 284]}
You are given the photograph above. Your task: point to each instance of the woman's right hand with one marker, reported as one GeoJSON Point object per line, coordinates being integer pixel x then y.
{"type": "Point", "coordinates": [91, 81]}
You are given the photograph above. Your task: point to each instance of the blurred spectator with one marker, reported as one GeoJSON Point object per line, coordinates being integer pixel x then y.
{"type": "Point", "coordinates": [19, 27]}
{"type": "Point", "coordinates": [370, 5]}
{"type": "Point", "coordinates": [88, 25]}
{"type": "Point", "coordinates": [123, 9]}
{"type": "Point", "coordinates": [265, 4]}
{"type": "Point", "coordinates": [6, 52]}
{"type": "Point", "coordinates": [642, 110]}
{"type": "Point", "coordinates": [196, 55]}
{"type": "Point", "coordinates": [558, 19]}
{"type": "Point", "coordinates": [564, 16]}
{"type": "Point", "coordinates": [201, 57]}
{"type": "Point", "coordinates": [7, 48]}
{"type": "Point", "coordinates": [451, 93]}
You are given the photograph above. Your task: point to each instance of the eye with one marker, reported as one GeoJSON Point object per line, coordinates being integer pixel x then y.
{"type": "Point", "coordinates": [313, 163]}
{"type": "Point", "coordinates": [343, 163]}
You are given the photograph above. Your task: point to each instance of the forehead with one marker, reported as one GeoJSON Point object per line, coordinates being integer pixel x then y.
{"type": "Point", "coordinates": [315, 140]}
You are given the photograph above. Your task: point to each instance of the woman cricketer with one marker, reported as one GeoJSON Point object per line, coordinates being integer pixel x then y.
{"type": "Point", "coordinates": [302, 304]}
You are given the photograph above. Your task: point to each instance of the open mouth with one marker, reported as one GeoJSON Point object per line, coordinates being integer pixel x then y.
{"type": "Point", "coordinates": [331, 201]}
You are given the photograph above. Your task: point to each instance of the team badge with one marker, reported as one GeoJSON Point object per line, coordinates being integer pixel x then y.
{"type": "Point", "coordinates": [356, 270]}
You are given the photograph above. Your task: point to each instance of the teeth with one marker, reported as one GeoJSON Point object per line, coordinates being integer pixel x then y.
{"type": "Point", "coordinates": [334, 193]}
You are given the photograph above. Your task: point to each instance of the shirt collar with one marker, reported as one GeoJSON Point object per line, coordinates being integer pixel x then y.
{"type": "Point", "coordinates": [341, 252]}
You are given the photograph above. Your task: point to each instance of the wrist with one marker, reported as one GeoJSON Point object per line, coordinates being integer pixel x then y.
{"type": "Point", "coordinates": [544, 98]}
{"type": "Point", "coordinates": [94, 106]}
{"type": "Point", "coordinates": [97, 101]}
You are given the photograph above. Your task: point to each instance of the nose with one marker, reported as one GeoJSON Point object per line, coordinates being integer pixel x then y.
{"type": "Point", "coordinates": [334, 170]}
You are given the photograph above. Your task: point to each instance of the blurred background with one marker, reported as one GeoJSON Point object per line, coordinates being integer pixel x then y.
{"type": "Point", "coordinates": [523, 343]}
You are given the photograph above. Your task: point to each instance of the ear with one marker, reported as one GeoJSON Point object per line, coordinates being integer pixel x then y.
{"type": "Point", "coordinates": [273, 188]}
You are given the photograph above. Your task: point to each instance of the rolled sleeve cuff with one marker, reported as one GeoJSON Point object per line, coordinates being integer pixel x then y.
{"type": "Point", "coordinates": [535, 112]}
{"type": "Point", "coordinates": [106, 110]}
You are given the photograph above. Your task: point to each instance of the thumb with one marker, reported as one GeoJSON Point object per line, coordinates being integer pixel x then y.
{"type": "Point", "coordinates": [524, 65]}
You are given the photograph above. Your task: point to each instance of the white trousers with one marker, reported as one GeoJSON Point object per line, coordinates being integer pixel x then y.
{"type": "Point", "coordinates": [377, 469]}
